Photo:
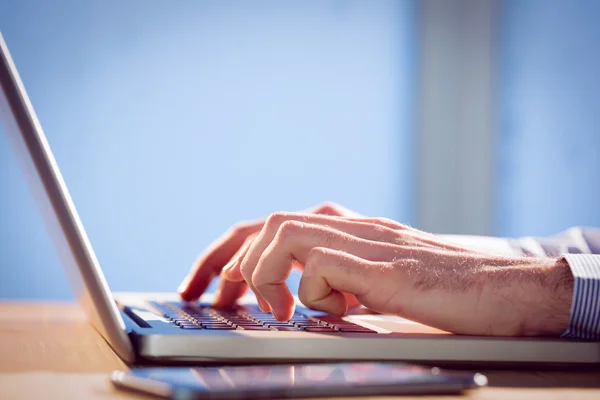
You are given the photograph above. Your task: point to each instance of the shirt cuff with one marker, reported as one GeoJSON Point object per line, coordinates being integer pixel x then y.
{"type": "Point", "coordinates": [584, 321]}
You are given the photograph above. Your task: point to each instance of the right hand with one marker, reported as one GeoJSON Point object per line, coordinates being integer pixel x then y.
{"type": "Point", "coordinates": [231, 246]}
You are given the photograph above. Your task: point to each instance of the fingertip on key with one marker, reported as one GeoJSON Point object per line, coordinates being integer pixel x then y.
{"type": "Point", "coordinates": [187, 296]}
{"type": "Point", "coordinates": [264, 307]}
{"type": "Point", "coordinates": [283, 315]}
{"type": "Point", "coordinates": [183, 286]}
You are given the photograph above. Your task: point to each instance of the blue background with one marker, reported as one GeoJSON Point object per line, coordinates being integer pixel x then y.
{"type": "Point", "coordinates": [548, 116]}
{"type": "Point", "coordinates": [172, 122]}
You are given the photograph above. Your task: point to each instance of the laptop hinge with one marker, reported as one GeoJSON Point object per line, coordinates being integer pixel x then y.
{"type": "Point", "coordinates": [132, 320]}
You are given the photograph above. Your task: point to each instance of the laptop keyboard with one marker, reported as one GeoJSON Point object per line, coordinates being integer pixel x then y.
{"type": "Point", "coordinates": [250, 318]}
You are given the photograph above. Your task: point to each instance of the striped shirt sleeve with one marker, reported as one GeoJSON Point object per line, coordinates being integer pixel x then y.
{"type": "Point", "coordinates": [584, 321]}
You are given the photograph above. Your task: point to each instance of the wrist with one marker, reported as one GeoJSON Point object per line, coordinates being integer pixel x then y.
{"type": "Point", "coordinates": [550, 310]}
{"type": "Point", "coordinates": [534, 294]}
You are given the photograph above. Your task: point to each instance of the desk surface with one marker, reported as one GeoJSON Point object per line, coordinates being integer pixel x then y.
{"type": "Point", "coordinates": [49, 350]}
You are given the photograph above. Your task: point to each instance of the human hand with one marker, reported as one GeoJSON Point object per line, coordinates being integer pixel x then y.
{"type": "Point", "coordinates": [229, 248]}
{"type": "Point", "coordinates": [394, 269]}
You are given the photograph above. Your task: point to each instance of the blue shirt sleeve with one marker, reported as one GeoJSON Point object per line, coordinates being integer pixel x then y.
{"type": "Point", "coordinates": [584, 321]}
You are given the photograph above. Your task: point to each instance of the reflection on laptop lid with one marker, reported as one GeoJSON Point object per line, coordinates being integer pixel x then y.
{"type": "Point", "coordinates": [63, 222]}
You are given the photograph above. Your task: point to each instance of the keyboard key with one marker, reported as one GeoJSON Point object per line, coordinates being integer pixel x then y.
{"type": "Point", "coordinates": [302, 319]}
{"type": "Point", "coordinates": [256, 328]}
{"type": "Point", "coordinates": [357, 329]}
{"type": "Point", "coordinates": [220, 328]}
{"type": "Point", "coordinates": [187, 324]}
{"type": "Point", "coordinates": [289, 328]}
{"type": "Point", "coordinates": [308, 325]}
{"type": "Point", "coordinates": [196, 316]}
{"type": "Point", "coordinates": [331, 319]}
{"type": "Point", "coordinates": [227, 314]}
{"type": "Point", "coordinates": [248, 323]}
{"type": "Point", "coordinates": [319, 329]}
{"type": "Point", "coordinates": [200, 315]}
{"type": "Point", "coordinates": [261, 315]}
{"type": "Point", "coordinates": [191, 327]}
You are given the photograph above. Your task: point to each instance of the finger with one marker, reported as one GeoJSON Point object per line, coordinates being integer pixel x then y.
{"type": "Point", "coordinates": [230, 290]}
{"type": "Point", "coordinates": [210, 263]}
{"type": "Point", "coordinates": [334, 209]}
{"type": "Point", "coordinates": [232, 273]}
{"type": "Point", "coordinates": [293, 241]}
{"type": "Point", "coordinates": [390, 223]}
{"type": "Point", "coordinates": [330, 273]}
{"type": "Point", "coordinates": [351, 300]}
{"type": "Point", "coordinates": [407, 235]}
{"type": "Point", "coordinates": [325, 213]}
{"type": "Point", "coordinates": [228, 293]}
{"type": "Point", "coordinates": [361, 229]}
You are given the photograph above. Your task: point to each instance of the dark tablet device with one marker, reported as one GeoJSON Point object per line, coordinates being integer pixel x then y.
{"type": "Point", "coordinates": [294, 381]}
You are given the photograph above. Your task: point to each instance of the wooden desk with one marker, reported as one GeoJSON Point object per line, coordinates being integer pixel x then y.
{"type": "Point", "coordinates": [49, 350]}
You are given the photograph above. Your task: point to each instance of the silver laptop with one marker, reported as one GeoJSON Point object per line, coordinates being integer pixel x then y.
{"type": "Point", "coordinates": [158, 327]}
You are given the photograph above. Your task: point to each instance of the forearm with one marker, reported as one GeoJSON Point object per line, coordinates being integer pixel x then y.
{"type": "Point", "coordinates": [571, 291]}
{"type": "Point", "coordinates": [527, 296]}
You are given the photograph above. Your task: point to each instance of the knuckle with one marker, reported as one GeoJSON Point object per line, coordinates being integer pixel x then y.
{"type": "Point", "coordinates": [405, 238]}
{"type": "Point", "coordinates": [328, 239]}
{"type": "Point", "coordinates": [304, 294]}
{"type": "Point", "coordinates": [328, 208]}
{"type": "Point", "coordinates": [402, 226]}
{"type": "Point", "coordinates": [246, 271]}
{"type": "Point", "coordinates": [260, 280]}
{"type": "Point", "coordinates": [380, 232]}
{"type": "Point", "coordinates": [288, 228]}
{"type": "Point", "coordinates": [387, 222]}
{"type": "Point", "coordinates": [277, 218]}
{"type": "Point", "coordinates": [257, 280]}
{"type": "Point", "coordinates": [383, 221]}
{"type": "Point", "coordinates": [315, 260]}
{"type": "Point", "coordinates": [314, 257]}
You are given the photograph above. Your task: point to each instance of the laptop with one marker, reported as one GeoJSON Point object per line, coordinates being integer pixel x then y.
{"type": "Point", "coordinates": [146, 327]}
